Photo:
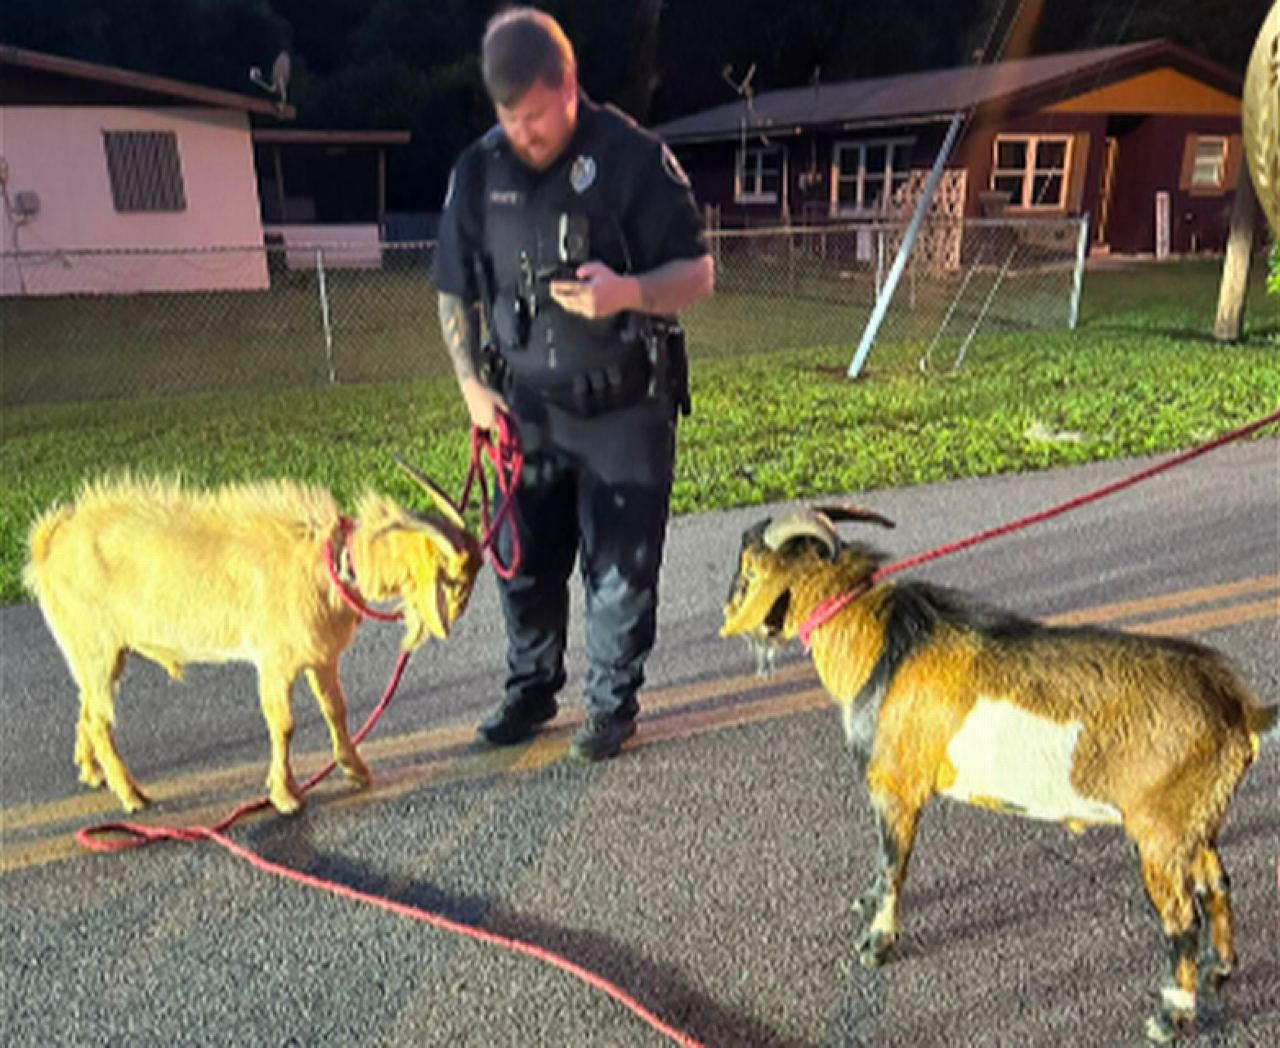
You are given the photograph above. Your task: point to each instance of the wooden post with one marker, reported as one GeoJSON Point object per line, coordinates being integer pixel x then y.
{"type": "Point", "coordinates": [280, 183]}
{"type": "Point", "coordinates": [382, 192]}
{"type": "Point", "coordinates": [1235, 266]}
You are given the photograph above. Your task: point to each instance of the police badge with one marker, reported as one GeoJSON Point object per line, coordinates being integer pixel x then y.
{"type": "Point", "coordinates": [582, 175]}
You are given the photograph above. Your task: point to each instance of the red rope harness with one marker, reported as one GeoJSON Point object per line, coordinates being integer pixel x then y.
{"type": "Point", "coordinates": [507, 458]}
{"type": "Point", "coordinates": [351, 597]}
{"type": "Point", "coordinates": [832, 606]}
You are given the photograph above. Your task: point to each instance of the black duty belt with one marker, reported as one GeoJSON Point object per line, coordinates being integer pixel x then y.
{"type": "Point", "coordinates": [618, 384]}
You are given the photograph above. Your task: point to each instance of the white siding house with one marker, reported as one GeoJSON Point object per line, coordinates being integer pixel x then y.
{"type": "Point", "coordinates": [97, 162]}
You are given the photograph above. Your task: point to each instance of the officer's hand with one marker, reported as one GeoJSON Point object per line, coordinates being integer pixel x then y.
{"type": "Point", "coordinates": [482, 403]}
{"type": "Point", "coordinates": [598, 292]}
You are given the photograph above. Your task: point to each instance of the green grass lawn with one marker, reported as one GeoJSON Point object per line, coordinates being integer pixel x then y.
{"type": "Point", "coordinates": [1140, 375]}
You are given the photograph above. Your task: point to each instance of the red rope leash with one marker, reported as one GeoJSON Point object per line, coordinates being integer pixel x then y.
{"type": "Point", "coordinates": [439, 921]}
{"type": "Point", "coordinates": [129, 835]}
{"type": "Point", "coordinates": [137, 834]}
{"type": "Point", "coordinates": [507, 458]}
{"type": "Point", "coordinates": [832, 606]}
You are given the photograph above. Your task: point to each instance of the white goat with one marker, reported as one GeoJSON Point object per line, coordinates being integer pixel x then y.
{"type": "Point", "coordinates": [234, 574]}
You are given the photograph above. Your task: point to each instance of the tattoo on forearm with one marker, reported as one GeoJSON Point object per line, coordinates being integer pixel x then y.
{"type": "Point", "coordinates": [459, 335]}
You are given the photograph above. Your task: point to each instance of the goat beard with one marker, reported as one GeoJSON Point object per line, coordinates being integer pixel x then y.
{"type": "Point", "coordinates": [766, 640]}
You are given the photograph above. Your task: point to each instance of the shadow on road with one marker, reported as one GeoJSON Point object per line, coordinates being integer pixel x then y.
{"type": "Point", "coordinates": [665, 992]}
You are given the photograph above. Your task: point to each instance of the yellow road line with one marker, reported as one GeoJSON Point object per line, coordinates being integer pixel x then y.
{"type": "Point", "coordinates": [754, 698]}
{"type": "Point", "coordinates": [1166, 601]}
{"type": "Point", "coordinates": [1212, 619]}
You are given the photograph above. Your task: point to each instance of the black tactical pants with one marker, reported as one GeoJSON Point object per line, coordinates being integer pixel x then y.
{"type": "Point", "coordinates": [595, 490]}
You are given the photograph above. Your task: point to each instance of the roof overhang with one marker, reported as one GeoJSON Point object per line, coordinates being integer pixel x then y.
{"type": "Point", "coordinates": [304, 136]}
{"type": "Point", "coordinates": [138, 88]}
{"type": "Point", "coordinates": [796, 130]}
{"type": "Point", "coordinates": [924, 97]}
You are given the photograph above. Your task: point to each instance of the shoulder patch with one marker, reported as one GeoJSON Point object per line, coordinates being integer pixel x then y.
{"type": "Point", "coordinates": [672, 167]}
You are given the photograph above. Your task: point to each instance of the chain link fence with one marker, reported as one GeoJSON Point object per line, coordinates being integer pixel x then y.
{"type": "Point", "coordinates": [271, 317]}
{"type": "Point", "coordinates": [336, 314]}
{"type": "Point", "coordinates": [817, 286]}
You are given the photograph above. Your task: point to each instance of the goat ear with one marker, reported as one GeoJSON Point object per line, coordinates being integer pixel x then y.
{"type": "Point", "coordinates": [842, 511]}
{"type": "Point", "coordinates": [426, 596]}
{"type": "Point", "coordinates": [435, 607]}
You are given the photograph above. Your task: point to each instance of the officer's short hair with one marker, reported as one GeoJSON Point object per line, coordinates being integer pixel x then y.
{"type": "Point", "coordinates": [521, 45]}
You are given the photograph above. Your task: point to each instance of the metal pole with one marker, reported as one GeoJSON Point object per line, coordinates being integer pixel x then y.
{"type": "Point", "coordinates": [324, 314]}
{"type": "Point", "coordinates": [908, 241]}
{"type": "Point", "coordinates": [1082, 245]}
{"type": "Point", "coordinates": [924, 360]}
{"type": "Point", "coordinates": [879, 261]}
{"type": "Point", "coordinates": [982, 313]}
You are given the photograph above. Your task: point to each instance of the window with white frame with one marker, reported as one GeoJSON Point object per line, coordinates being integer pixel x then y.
{"type": "Point", "coordinates": [144, 169]}
{"type": "Point", "coordinates": [1209, 162]}
{"type": "Point", "coordinates": [1032, 169]}
{"type": "Point", "coordinates": [758, 177]}
{"type": "Point", "coordinates": [867, 174]}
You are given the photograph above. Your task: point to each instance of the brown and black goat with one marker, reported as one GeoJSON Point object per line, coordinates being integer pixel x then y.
{"type": "Point", "coordinates": [1081, 725]}
{"type": "Point", "coordinates": [236, 574]}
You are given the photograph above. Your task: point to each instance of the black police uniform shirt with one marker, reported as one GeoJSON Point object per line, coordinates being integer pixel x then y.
{"type": "Point", "coordinates": [503, 216]}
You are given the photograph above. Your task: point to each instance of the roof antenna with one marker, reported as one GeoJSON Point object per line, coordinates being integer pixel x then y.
{"type": "Point", "coordinates": [278, 85]}
{"type": "Point", "coordinates": [745, 91]}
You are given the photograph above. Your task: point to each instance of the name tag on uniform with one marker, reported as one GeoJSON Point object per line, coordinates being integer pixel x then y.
{"type": "Point", "coordinates": [504, 197]}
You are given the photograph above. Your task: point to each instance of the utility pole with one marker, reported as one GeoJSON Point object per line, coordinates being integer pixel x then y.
{"type": "Point", "coordinates": [1235, 266]}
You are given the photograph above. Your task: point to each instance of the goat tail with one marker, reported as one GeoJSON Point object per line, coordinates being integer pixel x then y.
{"type": "Point", "coordinates": [1263, 723]}
{"type": "Point", "coordinates": [39, 541]}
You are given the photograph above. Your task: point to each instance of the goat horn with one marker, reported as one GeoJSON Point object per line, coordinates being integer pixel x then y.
{"type": "Point", "coordinates": [852, 511]}
{"type": "Point", "coordinates": [802, 523]}
{"type": "Point", "coordinates": [446, 505]}
{"type": "Point", "coordinates": [443, 533]}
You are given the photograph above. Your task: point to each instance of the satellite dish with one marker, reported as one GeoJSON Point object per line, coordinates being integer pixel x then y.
{"type": "Point", "coordinates": [278, 85]}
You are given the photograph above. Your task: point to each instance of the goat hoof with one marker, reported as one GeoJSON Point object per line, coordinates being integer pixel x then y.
{"type": "Point", "coordinates": [873, 950]}
{"type": "Point", "coordinates": [91, 776]}
{"type": "Point", "coordinates": [1161, 1029]}
{"type": "Point", "coordinates": [286, 803]}
{"type": "Point", "coordinates": [134, 801]}
{"type": "Point", "coordinates": [357, 772]}
{"type": "Point", "coordinates": [1216, 977]}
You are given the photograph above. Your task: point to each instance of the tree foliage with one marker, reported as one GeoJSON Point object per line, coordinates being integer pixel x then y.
{"type": "Point", "coordinates": [412, 63]}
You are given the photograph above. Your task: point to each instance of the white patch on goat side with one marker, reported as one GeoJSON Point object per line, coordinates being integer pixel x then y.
{"type": "Point", "coordinates": [1005, 753]}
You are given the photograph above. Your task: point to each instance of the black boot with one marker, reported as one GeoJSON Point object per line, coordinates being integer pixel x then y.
{"type": "Point", "coordinates": [601, 737]}
{"type": "Point", "coordinates": [515, 722]}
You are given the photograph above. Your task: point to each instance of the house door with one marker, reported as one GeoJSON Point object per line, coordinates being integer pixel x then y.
{"type": "Point", "coordinates": [1106, 189]}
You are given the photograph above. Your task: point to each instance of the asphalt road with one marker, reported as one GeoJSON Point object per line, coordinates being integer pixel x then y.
{"type": "Point", "coordinates": [708, 872]}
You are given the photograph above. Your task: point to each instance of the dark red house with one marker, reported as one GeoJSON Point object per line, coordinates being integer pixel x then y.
{"type": "Point", "coordinates": [1144, 138]}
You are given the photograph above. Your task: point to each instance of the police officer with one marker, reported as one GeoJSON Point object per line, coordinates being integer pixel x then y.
{"type": "Point", "coordinates": [571, 236]}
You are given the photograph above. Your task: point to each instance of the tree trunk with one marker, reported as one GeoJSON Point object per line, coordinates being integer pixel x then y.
{"type": "Point", "coordinates": [1235, 266]}
{"type": "Point", "coordinates": [637, 98]}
